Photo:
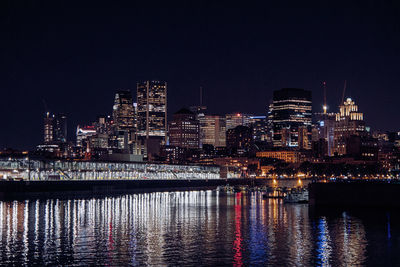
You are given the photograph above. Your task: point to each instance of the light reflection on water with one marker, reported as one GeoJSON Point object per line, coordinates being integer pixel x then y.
{"type": "Point", "coordinates": [183, 228]}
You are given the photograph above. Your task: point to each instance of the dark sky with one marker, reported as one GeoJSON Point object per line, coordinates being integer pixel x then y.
{"type": "Point", "coordinates": [76, 55]}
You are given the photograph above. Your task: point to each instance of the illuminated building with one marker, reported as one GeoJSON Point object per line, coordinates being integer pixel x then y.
{"type": "Point", "coordinates": [184, 130]}
{"type": "Point", "coordinates": [326, 130]}
{"type": "Point", "coordinates": [349, 121]}
{"type": "Point", "coordinates": [151, 117]}
{"type": "Point", "coordinates": [236, 119]}
{"type": "Point", "coordinates": [362, 147]}
{"type": "Point", "coordinates": [289, 156]}
{"type": "Point", "coordinates": [104, 125]}
{"type": "Point", "coordinates": [123, 112]}
{"type": "Point", "coordinates": [48, 128]}
{"type": "Point", "coordinates": [82, 134]}
{"type": "Point", "coordinates": [55, 128]}
{"type": "Point", "coordinates": [259, 126]}
{"type": "Point", "coordinates": [291, 109]}
{"type": "Point", "coordinates": [239, 140]}
{"type": "Point", "coordinates": [152, 109]}
{"type": "Point", "coordinates": [213, 130]}
{"type": "Point", "coordinates": [60, 128]}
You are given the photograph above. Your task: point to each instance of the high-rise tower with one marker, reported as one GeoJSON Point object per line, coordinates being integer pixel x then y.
{"type": "Point", "coordinates": [291, 110]}
{"type": "Point", "coordinates": [349, 121]}
{"type": "Point", "coordinates": [123, 111]}
{"type": "Point", "coordinates": [152, 109]}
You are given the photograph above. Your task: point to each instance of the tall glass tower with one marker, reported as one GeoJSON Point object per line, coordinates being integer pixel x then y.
{"type": "Point", "coordinates": [123, 111]}
{"type": "Point", "coordinates": [152, 109]}
{"type": "Point", "coordinates": [291, 117]}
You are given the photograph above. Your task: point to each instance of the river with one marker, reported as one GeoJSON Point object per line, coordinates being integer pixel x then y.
{"type": "Point", "coordinates": [193, 228]}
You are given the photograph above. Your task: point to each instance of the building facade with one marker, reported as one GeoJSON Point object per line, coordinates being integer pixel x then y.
{"type": "Point", "coordinates": [55, 128]}
{"type": "Point", "coordinates": [184, 130]}
{"type": "Point", "coordinates": [213, 130]}
{"type": "Point", "coordinates": [239, 140]}
{"type": "Point", "coordinates": [349, 121]}
{"type": "Point", "coordinates": [123, 112]}
{"type": "Point", "coordinates": [236, 119]}
{"type": "Point", "coordinates": [152, 109]}
{"type": "Point", "coordinates": [291, 111]}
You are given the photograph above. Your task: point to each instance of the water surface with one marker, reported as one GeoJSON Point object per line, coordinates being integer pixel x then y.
{"type": "Point", "coordinates": [193, 228]}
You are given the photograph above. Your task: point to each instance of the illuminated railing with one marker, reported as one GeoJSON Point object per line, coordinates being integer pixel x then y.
{"type": "Point", "coordinates": [89, 170]}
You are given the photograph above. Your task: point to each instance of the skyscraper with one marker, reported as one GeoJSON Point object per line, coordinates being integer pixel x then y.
{"type": "Point", "coordinates": [123, 112]}
{"type": "Point", "coordinates": [184, 130]}
{"type": "Point", "coordinates": [349, 121]}
{"type": "Point", "coordinates": [55, 128]}
{"type": "Point", "coordinates": [235, 119]}
{"type": "Point", "coordinates": [152, 109]}
{"type": "Point", "coordinates": [213, 130]}
{"type": "Point", "coordinates": [239, 140]}
{"type": "Point", "coordinates": [259, 125]}
{"type": "Point", "coordinates": [291, 109]}
{"type": "Point", "coordinates": [48, 128]}
{"type": "Point", "coordinates": [60, 128]}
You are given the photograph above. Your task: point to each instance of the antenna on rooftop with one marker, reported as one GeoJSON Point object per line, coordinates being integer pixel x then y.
{"type": "Point", "coordinates": [325, 107]}
{"type": "Point", "coordinates": [344, 91]}
{"type": "Point", "coordinates": [201, 96]}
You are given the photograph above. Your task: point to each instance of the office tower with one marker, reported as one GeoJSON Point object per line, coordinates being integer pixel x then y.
{"type": "Point", "coordinates": [236, 119]}
{"type": "Point", "coordinates": [239, 140]}
{"type": "Point", "coordinates": [325, 130]}
{"type": "Point", "coordinates": [213, 130]}
{"type": "Point", "coordinates": [152, 109]}
{"type": "Point", "coordinates": [123, 112]}
{"type": "Point", "coordinates": [48, 128]}
{"type": "Point", "coordinates": [270, 123]}
{"type": "Point", "coordinates": [104, 124]}
{"type": "Point", "coordinates": [349, 121]}
{"type": "Point", "coordinates": [60, 128]}
{"type": "Point", "coordinates": [259, 126]}
{"type": "Point", "coordinates": [184, 130]}
{"type": "Point", "coordinates": [83, 133]}
{"type": "Point", "coordinates": [55, 128]}
{"type": "Point", "coordinates": [291, 109]}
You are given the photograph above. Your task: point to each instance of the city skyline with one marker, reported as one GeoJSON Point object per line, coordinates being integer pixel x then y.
{"type": "Point", "coordinates": [236, 53]}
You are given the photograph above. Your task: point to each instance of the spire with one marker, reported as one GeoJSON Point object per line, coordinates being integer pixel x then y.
{"type": "Point", "coordinates": [325, 107]}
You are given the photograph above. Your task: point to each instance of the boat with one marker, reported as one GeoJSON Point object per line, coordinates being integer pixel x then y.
{"type": "Point", "coordinates": [297, 196]}
{"type": "Point", "coordinates": [265, 195]}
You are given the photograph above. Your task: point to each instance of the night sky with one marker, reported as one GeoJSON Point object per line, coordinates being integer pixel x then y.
{"type": "Point", "coordinates": [74, 57]}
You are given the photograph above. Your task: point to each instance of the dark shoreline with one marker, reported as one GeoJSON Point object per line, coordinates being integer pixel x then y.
{"type": "Point", "coordinates": [355, 193]}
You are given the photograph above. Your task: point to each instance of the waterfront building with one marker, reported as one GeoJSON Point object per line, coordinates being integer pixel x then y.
{"type": "Point", "coordinates": [213, 130]}
{"type": "Point", "coordinates": [184, 130]}
{"type": "Point", "coordinates": [288, 156]}
{"type": "Point", "coordinates": [291, 109]}
{"type": "Point", "coordinates": [362, 147]}
{"type": "Point", "coordinates": [349, 121]}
